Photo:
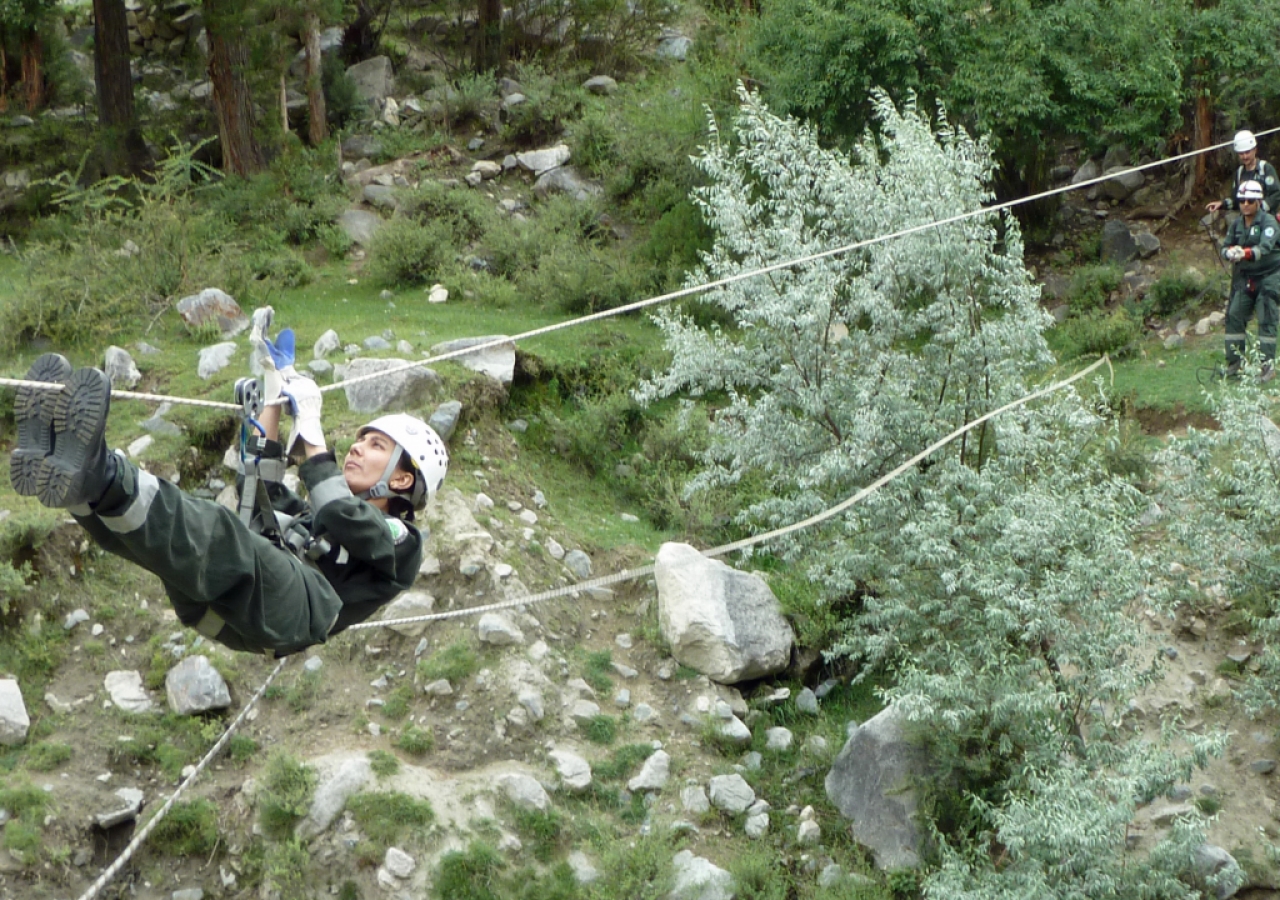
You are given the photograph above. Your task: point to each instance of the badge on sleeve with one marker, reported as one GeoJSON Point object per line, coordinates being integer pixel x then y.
{"type": "Point", "coordinates": [399, 531]}
{"type": "Point", "coordinates": [1269, 232]}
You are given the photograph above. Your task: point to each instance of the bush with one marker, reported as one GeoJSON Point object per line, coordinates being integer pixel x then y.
{"type": "Point", "coordinates": [1091, 287]}
{"type": "Point", "coordinates": [456, 663]}
{"type": "Point", "coordinates": [405, 253]}
{"type": "Point", "coordinates": [46, 756]}
{"type": "Point", "coordinates": [286, 795]}
{"type": "Point", "coordinates": [1097, 333]}
{"type": "Point", "coordinates": [1175, 289]}
{"type": "Point", "coordinates": [385, 817]}
{"type": "Point", "coordinates": [415, 740]}
{"type": "Point", "coordinates": [550, 101]}
{"type": "Point", "coordinates": [189, 829]}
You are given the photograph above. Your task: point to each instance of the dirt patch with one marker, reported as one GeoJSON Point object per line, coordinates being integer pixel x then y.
{"type": "Point", "coordinates": [1161, 422]}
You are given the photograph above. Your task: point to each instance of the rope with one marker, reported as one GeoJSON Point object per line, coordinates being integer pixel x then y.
{"type": "Point", "coordinates": [112, 870]}
{"type": "Point", "coordinates": [673, 295]}
{"type": "Point", "coordinates": [722, 550]}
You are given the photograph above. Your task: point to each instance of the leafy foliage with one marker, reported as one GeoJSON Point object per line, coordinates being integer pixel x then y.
{"type": "Point", "coordinates": [994, 582]}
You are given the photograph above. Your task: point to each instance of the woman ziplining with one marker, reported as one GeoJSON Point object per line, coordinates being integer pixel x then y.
{"type": "Point", "coordinates": [289, 572]}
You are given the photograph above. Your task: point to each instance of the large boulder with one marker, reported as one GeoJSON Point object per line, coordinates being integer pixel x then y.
{"type": "Point", "coordinates": [407, 389]}
{"type": "Point", "coordinates": [360, 225]}
{"type": "Point", "coordinates": [373, 79]}
{"type": "Point", "coordinates": [498, 361]}
{"type": "Point", "coordinates": [1118, 245]}
{"type": "Point", "coordinates": [721, 622]}
{"type": "Point", "coordinates": [565, 180]}
{"type": "Point", "coordinates": [870, 782]}
{"type": "Point", "coordinates": [1121, 182]}
{"type": "Point", "coordinates": [213, 305]}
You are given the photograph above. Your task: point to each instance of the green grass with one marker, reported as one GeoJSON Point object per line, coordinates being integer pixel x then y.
{"type": "Point", "coordinates": [189, 829]}
{"type": "Point", "coordinates": [287, 786]}
{"type": "Point", "coordinates": [456, 662]}
{"type": "Point", "coordinates": [388, 817]}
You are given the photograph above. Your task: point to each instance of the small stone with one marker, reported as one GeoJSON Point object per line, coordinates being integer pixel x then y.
{"type": "Point", "coordinates": [1263, 766]}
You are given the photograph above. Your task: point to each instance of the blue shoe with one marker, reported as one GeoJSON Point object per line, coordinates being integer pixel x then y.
{"type": "Point", "coordinates": [76, 473]}
{"type": "Point", "coordinates": [33, 409]}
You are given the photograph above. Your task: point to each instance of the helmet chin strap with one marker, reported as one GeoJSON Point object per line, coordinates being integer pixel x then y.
{"type": "Point", "coordinates": [383, 487]}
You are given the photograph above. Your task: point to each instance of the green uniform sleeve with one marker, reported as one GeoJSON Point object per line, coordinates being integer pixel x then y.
{"type": "Point", "coordinates": [1270, 188]}
{"type": "Point", "coordinates": [359, 527]}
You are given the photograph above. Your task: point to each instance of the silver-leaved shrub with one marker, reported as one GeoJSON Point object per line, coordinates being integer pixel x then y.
{"type": "Point", "coordinates": [995, 584]}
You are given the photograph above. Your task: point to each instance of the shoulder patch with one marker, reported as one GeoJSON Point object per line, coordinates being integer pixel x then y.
{"type": "Point", "coordinates": [1270, 180]}
{"type": "Point", "coordinates": [1269, 232]}
{"type": "Point", "coordinates": [399, 531]}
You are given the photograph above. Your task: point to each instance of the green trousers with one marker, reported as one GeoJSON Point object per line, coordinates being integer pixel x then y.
{"type": "Point", "coordinates": [1241, 309]}
{"type": "Point", "coordinates": [230, 584]}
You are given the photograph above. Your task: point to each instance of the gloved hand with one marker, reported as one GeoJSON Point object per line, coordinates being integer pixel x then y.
{"type": "Point", "coordinates": [305, 402]}
{"type": "Point", "coordinates": [1233, 254]}
{"type": "Point", "coordinates": [271, 360]}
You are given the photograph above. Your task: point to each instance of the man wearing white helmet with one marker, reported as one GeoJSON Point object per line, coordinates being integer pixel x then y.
{"type": "Point", "coordinates": [1251, 169]}
{"type": "Point", "coordinates": [354, 545]}
{"type": "Point", "coordinates": [1255, 280]}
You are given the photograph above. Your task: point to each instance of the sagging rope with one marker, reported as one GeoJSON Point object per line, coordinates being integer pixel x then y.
{"type": "Point", "coordinates": [724, 549]}
{"type": "Point", "coordinates": [668, 297]}
{"type": "Point", "coordinates": [112, 870]}
{"type": "Point", "coordinates": [602, 581]}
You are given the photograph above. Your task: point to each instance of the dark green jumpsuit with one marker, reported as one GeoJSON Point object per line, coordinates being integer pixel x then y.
{"type": "Point", "coordinates": [239, 588]}
{"type": "Point", "coordinates": [1255, 283]}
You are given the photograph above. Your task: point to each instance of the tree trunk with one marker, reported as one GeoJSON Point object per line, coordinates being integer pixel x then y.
{"type": "Point", "coordinates": [123, 147]}
{"type": "Point", "coordinates": [4, 75]}
{"type": "Point", "coordinates": [488, 35]}
{"type": "Point", "coordinates": [228, 61]}
{"type": "Point", "coordinates": [318, 129]}
{"type": "Point", "coordinates": [32, 69]}
{"type": "Point", "coordinates": [1202, 135]}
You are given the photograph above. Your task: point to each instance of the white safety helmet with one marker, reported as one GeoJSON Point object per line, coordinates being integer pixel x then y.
{"type": "Point", "coordinates": [421, 446]}
{"type": "Point", "coordinates": [1249, 190]}
{"type": "Point", "coordinates": [1244, 142]}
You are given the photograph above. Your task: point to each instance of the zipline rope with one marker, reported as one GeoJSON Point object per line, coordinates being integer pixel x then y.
{"type": "Point", "coordinates": [673, 295]}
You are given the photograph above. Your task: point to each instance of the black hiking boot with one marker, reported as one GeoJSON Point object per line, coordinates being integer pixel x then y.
{"type": "Point", "coordinates": [33, 410]}
{"type": "Point", "coordinates": [77, 472]}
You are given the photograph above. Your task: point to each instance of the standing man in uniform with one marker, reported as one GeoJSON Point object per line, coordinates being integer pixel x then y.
{"type": "Point", "coordinates": [225, 580]}
{"type": "Point", "coordinates": [1251, 169]}
{"type": "Point", "coordinates": [1255, 280]}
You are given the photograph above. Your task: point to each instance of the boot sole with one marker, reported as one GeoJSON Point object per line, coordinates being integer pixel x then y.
{"type": "Point", "coordinates": [79, 420]}
{"type": "Point", "coordinates": [33, 409]}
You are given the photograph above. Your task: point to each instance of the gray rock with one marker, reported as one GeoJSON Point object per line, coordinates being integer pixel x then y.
{"type": "Point", "coordinates": [320, 368]}
{"type": "Point", "coordinates": [1262, 766]}
{"type": "Point", "coordinates": [409, 605]}
{"type": "Point", "coordinates": [444, 421]}
{"type": "Point", "coordinates": [734, 730]}
{"type": "Point", "coordinates": [399, 863]}
{"type": "Point", "coordinates": [74, 618]}
{"type": "Point", "coordinates": [195, 686]}
{"type": "Point", "coordinates": [214, 359]}
{"type": "Point", "coordinates": [699, 879]}
{"type": "Point", "coordinates": [654, 774]}
{"type": "Point", "coordinates": [583, 871]}
{"type": "Point", "coordinates": [360, 226]}
{"type": "Point", "coordinates": [498, 361]}
{"type": "Point", "coordinates": [544, 160]}
{"type": "Point", "coordinates": [509, 86]}
{"type": "Point", "coordinates": [870, 783]}
{"type": "Point", "coordinates": [126, 691]}
{"type": "Point", "coordinates": [332, 793]}
{"type": "Point", "coordinates": [578, 563]}
{"type": "Point", "coordinates": [1118, 245]}
{"type": "Point", "coordinates": [14, 721]}
{"type": "Point", "coordinates": [574, 771]}
{"type": "Point", "coordinates": [375, 342]}
{"type": "Point", "coordinates": [1087, 172]}
{"type": "Point", "coordinates": [381, 196]}
{"type": "Point", "coordinates": [216, 306]}
{"type": "Point", "coordinates": [498, 631]}
{"type": "Point", "coordinates": [674, 47]}
{"type": "Point", "coordinates": [408, 389]}
{"type": "Point", "coordinates": [1121, 182]}
{"type": "Point", "coordinates": [721, 622]}
{"type": "Point", "coordinates": [757, 825]}
{"type": "Point", "coordinates": [556, 551]}
{"type": "Point", "coordinates": [373, 80]}
{"type": "Point", "coordinates": [583, 711]}
{"type": "Point", "coordinates": [125, 809]}
{"type": "Point", "coordinates": [325, 344]}
{"type": "Point", "coordinates": [807, 702]}
{"type": "Point", "coordinates": [778, 739]}
{"type": "Point", "coordinates": [532, 701]}
{"type": "Point", "coordinates": [524, 791]}
{"type": "Point", "coordinates": [731, 793]}
{"type": "Point", "coordinates": [566, 180]}
{"type": "Point", "coordinates": [1217, 870]}
{"type": "Point", "coordinates": [693, 799]}
{"type": "Point", "coordinates": [1148, 244]}
{"type": "Point", "coordinates": [121, 369]}
{"type": "Point", "coordinates": [601, 85]}
{"type": "Point", "coordinates": [360, 146]}
{"type": "Point", "coordinates": [146, 349]}
{"type": "Point", "coordinates": [438, 688]}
